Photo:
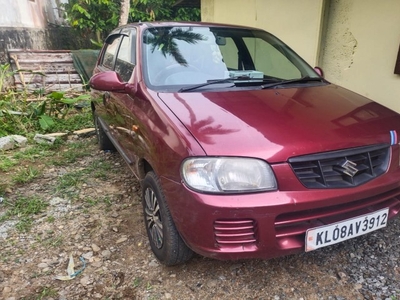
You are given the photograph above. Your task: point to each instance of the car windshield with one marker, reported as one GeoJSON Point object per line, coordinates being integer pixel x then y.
{"type": "Point", "coordinates": [186, 56]}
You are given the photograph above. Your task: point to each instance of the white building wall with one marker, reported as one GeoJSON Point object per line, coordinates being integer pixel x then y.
{"type": "Point", "coordinates": [30, 13]}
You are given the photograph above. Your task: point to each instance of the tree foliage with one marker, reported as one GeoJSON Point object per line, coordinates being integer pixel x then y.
{"type": "Point", "coordinates": [99, 17]}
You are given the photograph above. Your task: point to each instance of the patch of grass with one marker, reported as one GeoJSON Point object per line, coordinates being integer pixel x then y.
{"type": "Point", "coordinates": [23, 112]}
{"type": "Point", "coordinates": [5, 256]}
{"type": "Point", "coordinates": [37, 151]}
{"type": "Point", "coordinates": [107, 201]}
{"type": "Point", "coordinates": [31, 161]}
{"type": "Point", "coordinates": [24, 224]}
{"type": "Point", "coordinates": [75, 121]}
{"type": "Point", "coordinates": [24, 208]}
{"type": "Point", "coordinates": [26, 175]}
{"type": "Point", "coordinates": [71, 154]}
{"type": "Point", "coordinates": [91, 202]}
{"type": "Point", "coordinates": [54, 242]}
{"type": "Point", "coordinates": [80, 147]}
{"type": "Point", "coordinates": [69, 181]}
{"type": "Point", "coordinates": [50, 219]}
{"type": "Point", "coordinates": [6, 163]}
{"type": "Point", "coordinates": [137, 281]}
{"type": "Point", "coordinates": [3, 187]}
{"type": "Point", "coordinates": [99, 169]}
{"type": "Point", "coordinates": [46, 292]}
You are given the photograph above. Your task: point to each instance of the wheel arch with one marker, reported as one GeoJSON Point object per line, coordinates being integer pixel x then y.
{"type": "Point", "coordinates": [144, 167]}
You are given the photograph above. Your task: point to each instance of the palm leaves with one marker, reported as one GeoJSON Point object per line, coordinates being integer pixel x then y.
{"type": "Point", "coordinates": [164, 39]}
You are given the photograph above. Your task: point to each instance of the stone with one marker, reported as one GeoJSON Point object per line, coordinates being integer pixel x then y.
{"type": "Point", "coordinates": [85, 280]}
{"type": "Point", "coordinates": [106, 254]}
{"type": "Point", "coordinates": [87, 255]}
{"type": "Point", "coordinates": [44, 139]}
{"type": "Point", "coordinates": [95, 248]}
{"type": "Point", "coordinates": [43, 265]}
{"type": "Point", "coordinates": [153, 263]}
{"type": "Point", "coordinates": [12, 141]}
{"type": "Point", "coordinates": [6, 290]}
{"type": "Point", "coordinates": [121, 240]}
{"type": "Point", "coordinates": [57, 200]}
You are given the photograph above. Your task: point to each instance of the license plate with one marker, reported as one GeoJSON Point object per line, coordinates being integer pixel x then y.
{"type": "Point", "coordinates": [335, 233]}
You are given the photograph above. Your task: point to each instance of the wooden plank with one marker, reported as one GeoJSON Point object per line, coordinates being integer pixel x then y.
{"type": "Point", "coordinates": [48, 67]}
{"type": "Point", "coordinates": [44, 59]}
{"type": "Point", "coordinates": [64, 78]}
{"type": "Point", "coordinates": [50, 88]}
{"type": "Point", "coordinates": [39, 51]}
{"type": "Point", "coordinates": [56, 65]}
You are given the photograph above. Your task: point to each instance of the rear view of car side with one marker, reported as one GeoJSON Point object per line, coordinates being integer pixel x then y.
{"type": "Point", "coordinates": [243, 150]}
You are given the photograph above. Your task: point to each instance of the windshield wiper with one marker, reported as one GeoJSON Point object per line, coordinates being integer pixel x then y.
{"type": "Point", "coordinates": [241, 79]}
{"type": "Point", "coordinates": [297, 80]}
{"type": "Point", "coordinates": [209, 82]}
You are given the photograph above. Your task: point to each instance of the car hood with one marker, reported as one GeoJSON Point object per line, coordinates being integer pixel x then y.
{"type": "Point", "coordinates": [277, 124]}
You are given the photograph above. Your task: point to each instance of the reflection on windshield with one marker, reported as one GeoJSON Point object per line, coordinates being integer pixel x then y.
{"type": "Point", "coordinates": [165, 40]}
{"type": "Point", "coordinates": [181, 56]}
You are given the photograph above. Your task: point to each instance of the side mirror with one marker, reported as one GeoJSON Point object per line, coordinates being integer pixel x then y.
{"type": "Point", "coordinates": [107, 81]}
{"type": "Point", "coordinates": [319, 71]}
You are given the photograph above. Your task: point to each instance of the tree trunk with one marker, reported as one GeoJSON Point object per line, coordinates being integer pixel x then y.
{"type": "Point", "coordinates": [123, 18]}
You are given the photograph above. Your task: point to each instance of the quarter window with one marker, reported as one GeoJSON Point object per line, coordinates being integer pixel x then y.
{"type": "Point", "coordinates": [110, 52]}
{"type": "Point", "coordinates": [125, 60]}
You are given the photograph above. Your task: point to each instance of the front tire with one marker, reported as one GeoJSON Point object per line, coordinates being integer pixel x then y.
{"type": "Point", "coordinates": [165, 241]}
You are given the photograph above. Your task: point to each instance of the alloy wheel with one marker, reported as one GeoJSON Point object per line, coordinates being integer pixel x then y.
{"type": "Point", "coordinates": [153, 218]}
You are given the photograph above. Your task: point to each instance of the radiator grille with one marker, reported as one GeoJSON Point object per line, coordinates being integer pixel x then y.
{"type": "Point", "coordinates": [344, 168]}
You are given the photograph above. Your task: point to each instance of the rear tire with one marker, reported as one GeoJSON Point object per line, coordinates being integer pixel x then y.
{"type": "Point", "coordinates": [102, 138]}
{"type": "Point", "coordinates": [165, 241]}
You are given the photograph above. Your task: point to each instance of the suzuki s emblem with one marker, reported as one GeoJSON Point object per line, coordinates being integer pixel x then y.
{"type": "Point", "coordinates": [349, 168]}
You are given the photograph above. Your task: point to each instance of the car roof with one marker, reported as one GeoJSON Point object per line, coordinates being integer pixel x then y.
{"type": "Point", "coordinates": [145, 25]}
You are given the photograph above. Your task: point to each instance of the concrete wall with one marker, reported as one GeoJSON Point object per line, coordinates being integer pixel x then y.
{"type": "Point", "coordinates": [354, 41]}
{"type": "Point", "coordinates": [360, 45]}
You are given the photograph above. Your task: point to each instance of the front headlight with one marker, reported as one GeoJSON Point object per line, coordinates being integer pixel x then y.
{"type": "Point", "coordinates": [228, 175]}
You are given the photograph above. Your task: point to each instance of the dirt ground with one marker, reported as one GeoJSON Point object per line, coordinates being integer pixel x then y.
{"type": "Point", "coordinates": [99, 218]}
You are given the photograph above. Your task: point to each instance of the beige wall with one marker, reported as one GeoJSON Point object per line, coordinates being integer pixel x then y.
{"type": "Point", "coordinates": [359, 48]}
{"type": "Point", "coordinates": [281, 18]}
{"type": "Point", "coordinates": [355, 41]}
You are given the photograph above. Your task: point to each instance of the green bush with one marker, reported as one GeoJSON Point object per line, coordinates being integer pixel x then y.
{"type": "Point", "coordinates": [23, 113]}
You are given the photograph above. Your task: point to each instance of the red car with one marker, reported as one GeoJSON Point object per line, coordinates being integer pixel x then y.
{"type": "Point", "coordinates": [243, 150]}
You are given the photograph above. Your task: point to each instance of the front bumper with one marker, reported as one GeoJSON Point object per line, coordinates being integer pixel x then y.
{"type": "Point", "coordinates": [267, 225]}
